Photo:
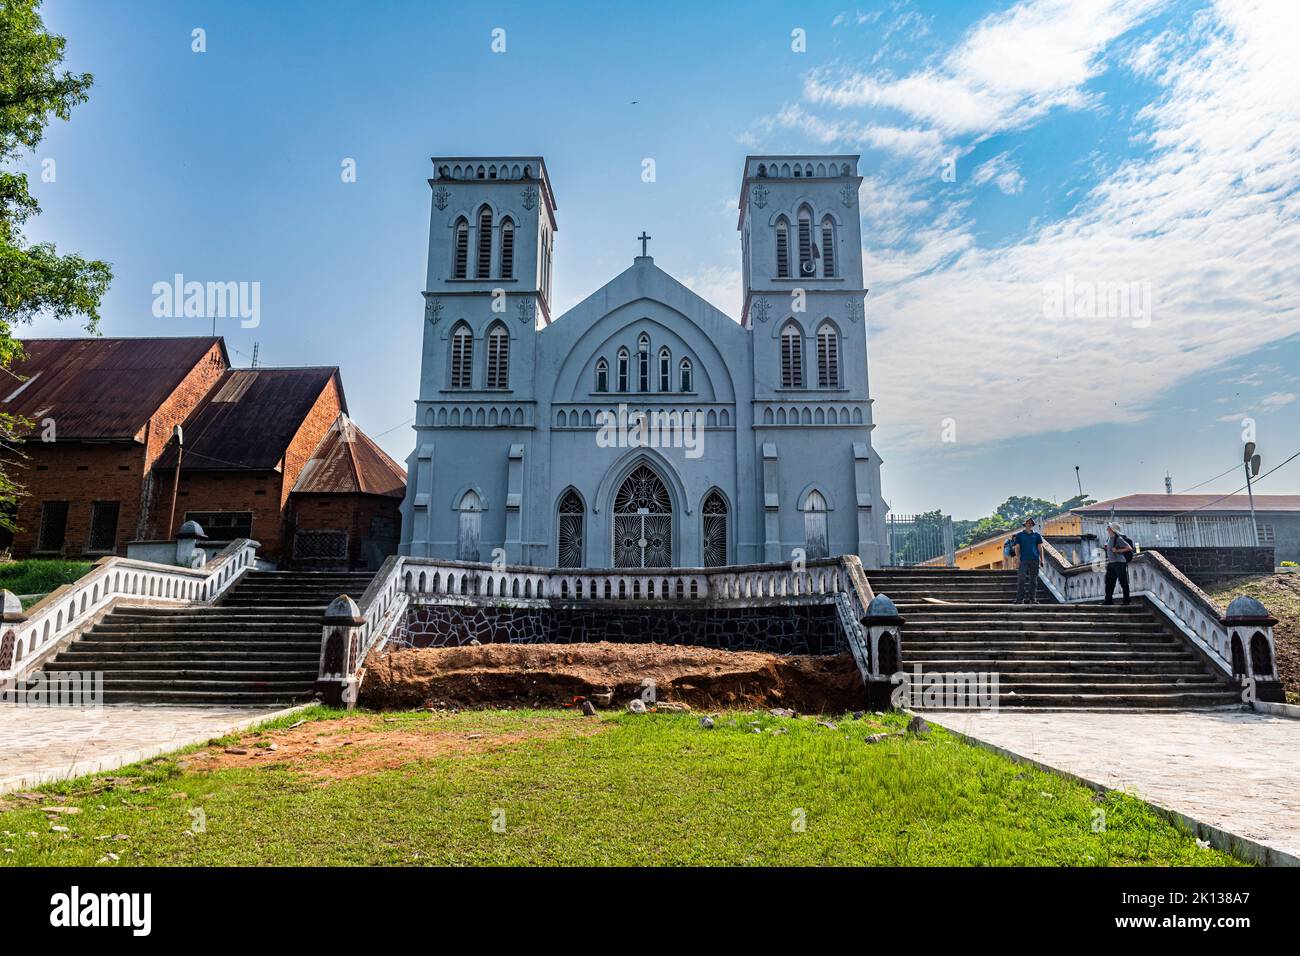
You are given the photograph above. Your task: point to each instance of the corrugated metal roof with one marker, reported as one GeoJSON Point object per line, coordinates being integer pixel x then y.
{"type": "Point", "coordinates": [97, 388]}
{"type": "Point", "coordinates": [249, 418]}
{"type": "Point", "coordinates": [1157, 504]}
{"type": "Point", "coordinates": [347, 461]}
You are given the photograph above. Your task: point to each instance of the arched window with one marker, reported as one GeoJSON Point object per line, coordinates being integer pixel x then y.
{"type": "Point", "coordinates": [460, 265]}
{"type": "Point", "coordinates": [483, 264]}
{"type": "Point", "coordinates": [782, 249]}
{"type": "Point", "coordinates": [462, 358]}
{"type": "Point", "coordinates": [643, 363]}
{"type": "Point", "coordinates": [807, 269]}
{"type": "Point", "coordinates": [828, 356]}
{"type": "Point", "coordinates": [688, 382]}
{"type": "Point", "coordinates": [665, 370]}
{"type": "Point", "coordinates": [622, 370]}
{"type": "Point", "coordinates": [828, 248]}
{"type": "Point", "coordinates": [498, 358]}
{"type": "Point", "coordinates": [507, 249]}
{"type": "Point", "coordinates": [569, 537]}
{"type": "Point", "coordinates": [791, 356]}
{"type": "Point", "coordinates": [713, 538]}
{"type": "Point", "coordinates": [602, 376]}
{"type": "Point", "coordinates": [814, 525]}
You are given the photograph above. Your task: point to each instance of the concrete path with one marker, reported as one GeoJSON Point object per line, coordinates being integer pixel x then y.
{"type": "Point", "coordinates": [1236, 771]}
{"type": "Point", "coordinates": [40, 744]}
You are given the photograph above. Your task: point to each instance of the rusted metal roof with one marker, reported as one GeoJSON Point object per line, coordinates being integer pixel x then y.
{"type": "Point", "coordinates": [347, 461]}
{"type": "Point", "coordinates": [99, 389]}
{"type": "Point", "coordinates": [1159, 504]}
{"type": "Point", "coordinates": [249, 418]}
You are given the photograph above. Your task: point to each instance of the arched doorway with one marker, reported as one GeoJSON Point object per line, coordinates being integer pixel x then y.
{"type": "Point", "coordinates": [471, 526]}
{"type": "Point", "coordinates": [814, 526]}
{"type": "Point", "coordinates": [643, 521]}
{"type": "Point", "coordinates": [713, 530]}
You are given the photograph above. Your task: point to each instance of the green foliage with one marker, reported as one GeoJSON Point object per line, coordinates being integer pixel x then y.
{"type": "Point", "coordinates": [1011, 514]}
{"type": "Point", "coordinates": [618, 789]}
{"type": "Point", "coordinates": [34, 279]}
{"type": "Point", "coordinates": [40, 577]}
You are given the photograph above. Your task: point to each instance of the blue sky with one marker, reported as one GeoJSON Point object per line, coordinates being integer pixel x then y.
{"type": "Point", "coordinates": [1136, 144]}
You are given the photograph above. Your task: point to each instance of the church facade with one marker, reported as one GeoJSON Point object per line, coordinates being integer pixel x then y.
{"type": "Point", "coordinates": [643, 427]}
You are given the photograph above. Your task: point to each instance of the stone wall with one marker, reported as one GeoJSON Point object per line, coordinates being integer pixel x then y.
{"type": "Point", "coordinates": [785, 629]}
{"type": "Point", "coordinates": [1206, 565]}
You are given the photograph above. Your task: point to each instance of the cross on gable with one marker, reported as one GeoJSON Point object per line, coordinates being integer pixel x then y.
{"type": "Point", "coordinates": [644, 239]}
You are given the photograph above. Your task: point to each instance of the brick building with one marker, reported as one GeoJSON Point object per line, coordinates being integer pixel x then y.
{"type": "Point", "coordinates": [99, 463]}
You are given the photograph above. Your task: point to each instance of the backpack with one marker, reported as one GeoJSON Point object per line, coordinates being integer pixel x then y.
{"type": "Point", "coordinates": [1128, 555]}
{"type": "Point", "coordinates": [1009, 548]}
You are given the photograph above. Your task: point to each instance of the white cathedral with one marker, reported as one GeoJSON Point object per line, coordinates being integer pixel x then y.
{"type": "Point", "coordinates": [643, 427]}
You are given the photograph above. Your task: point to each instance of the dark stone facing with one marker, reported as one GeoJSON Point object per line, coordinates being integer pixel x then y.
{"type": "Point", "coordinates": [793, 629]}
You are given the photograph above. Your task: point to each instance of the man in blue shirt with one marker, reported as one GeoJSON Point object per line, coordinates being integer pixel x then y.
{"type": "Point", "coordinates": [1027, 543]}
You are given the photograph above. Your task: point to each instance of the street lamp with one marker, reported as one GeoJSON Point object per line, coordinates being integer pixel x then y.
{"type": "Point", "coordinates": [1250, 462]}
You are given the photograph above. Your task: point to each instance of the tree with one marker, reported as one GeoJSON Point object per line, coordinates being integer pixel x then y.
{"type": "Point", "coordinates": [1011, 514]}
{"type": "Point", "coordinates": [34, 279]}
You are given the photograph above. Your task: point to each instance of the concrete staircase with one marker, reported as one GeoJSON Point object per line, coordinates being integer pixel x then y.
{"type": "Point", "coordinates": [259, 646]}
{"type": "Point", "coordinates": [1048, 655]}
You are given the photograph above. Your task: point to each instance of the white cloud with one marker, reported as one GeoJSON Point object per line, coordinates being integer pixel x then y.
{"type": "Point", "coordinates": [1276, 400]}
{"type": "Point", "coordinates": [1010, 70]}
{"type": "Point", "coordinates": [1210, 220]}
{"type": "Point", "coordinates": [1002, 172]}
{"type": "Point", "coordinates": [719, 286]}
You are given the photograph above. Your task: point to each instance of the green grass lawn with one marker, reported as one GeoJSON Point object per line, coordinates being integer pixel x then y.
{"type": "Point", "coordinates": [416, 788]}
{"type": "Point", "coordinates": [40, 577]}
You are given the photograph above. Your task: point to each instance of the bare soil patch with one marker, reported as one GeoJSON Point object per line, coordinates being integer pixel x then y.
{"type": "Point", "coordinates": [609, 675]}
{"type": "Point", "coordinates": [355, 746]}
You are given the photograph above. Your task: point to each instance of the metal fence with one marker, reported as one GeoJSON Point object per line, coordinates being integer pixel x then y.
{"type": "Point", "coordinates": [915, 539]}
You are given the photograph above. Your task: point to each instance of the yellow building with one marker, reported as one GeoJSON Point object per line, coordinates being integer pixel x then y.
{"type": "Point", "coordinates": [986, 554]}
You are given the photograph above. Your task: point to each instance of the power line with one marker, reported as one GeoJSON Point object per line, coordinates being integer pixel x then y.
{"type": "Point", "coordinates": [1208, 480]}
{"type": "Point", "coordinates": [1231, 493]}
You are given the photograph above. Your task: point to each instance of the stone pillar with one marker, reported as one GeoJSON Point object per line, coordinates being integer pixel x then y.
{"type": "Point", "coordinates": [771, 506]}
{"type": "Point", "coordinates": [338, 675]}
{"type": "Point", "coordinates": [12, 614]}
{"type": "Point", "coordinates": [514, 504]}
{"type": "Point", "coordinates": [885, 639]}
{"type": "Point", "coordinates": [188, 552]}
{"type": "Point", "coordinates": [1254, 656]}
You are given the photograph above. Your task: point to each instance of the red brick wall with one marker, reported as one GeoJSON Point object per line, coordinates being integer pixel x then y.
{"type": "Point", "coordinates": [79, 473]}
{"type": "Point", "coordinates": [174, 411]}
{"type": "Point", "coordinates": [83, 472]}
{"type": "Point", "coordinates": [350, 513]}
{"type": "Point", "coordinates": [318, 421]}
{"type": "Point", "coordinates": [255, 491]}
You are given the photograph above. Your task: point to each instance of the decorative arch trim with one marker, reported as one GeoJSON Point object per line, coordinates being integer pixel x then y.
{"type": "Point", "coordinates": [809, 489]}
{"type": "Point", "coordinates": [625, 465]}
{"type": "Point", "coordinates": [460, 493]}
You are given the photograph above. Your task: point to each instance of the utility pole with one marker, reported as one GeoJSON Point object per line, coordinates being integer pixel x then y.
{"type": "Point", "coordinates": [179, 436]}
{"type": "Point", "coordinates": [1250, 462]}
{"type": "Point", "coordinates": [255, 345]}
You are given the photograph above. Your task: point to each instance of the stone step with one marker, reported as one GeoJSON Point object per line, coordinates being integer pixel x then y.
{"type": "Point", "coordinates": [1110, 676]}
{"type": "Point", "coordinates": [135, 655]}
{"type": "Point", "coordinates": [1170, 700]}
{"type": "Point", "coordinates": [984, 607]}
{"type": "Point", "coordinates": [131, 646]}
{"type": "Point", "coordinates": [171, 671]}
{"type": "Point", "coordinates": [293, 663]}
{"type": "Point", "coordinates": [210, 628]}
{"type": "Point", "coordinates": [922, 655]}
{"type": "Point", "coordinates": [1039, 664]}
{"type": "Point", "coordinates": [1035, 647]}
{"type": "Point", "coordinates": [1104, 632]}
{"type": "Point", "coordinates": [222, 698]}
{"type": "Point", "coordinates": [172, 683]}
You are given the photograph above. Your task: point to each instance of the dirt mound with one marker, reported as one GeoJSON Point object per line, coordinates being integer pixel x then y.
{"type": "Point", "coordinates": [549, 675]}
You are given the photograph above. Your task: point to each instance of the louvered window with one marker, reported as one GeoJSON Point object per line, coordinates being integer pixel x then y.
{"type": "Point", "coordinates": [483, 266]}
{"type": "Point", "coordinates": [791, 358]}
{"type": "Point", "coordinates": [622, 370]}
{"type": "Point", "coordinates": [643, 363]}
{"type": "Point", "coordinates": [828, 357]}
{"type": "Point", "coordinates": [461, 266]}
{"type": "Point", "coordinates": [498, 358]}
{"type": "Point", "coordinates": [507, 250]}
{"type": "Point", "coordinates": [806, 267]}
{"type": "Point", "coordinates": [462, 358]}
{"type": "Point", "coordinates": [665, 371]}
{"type": "Point", "coordinates": [782, 250]}
{"type": "Point", "coordinates": [828, 248]}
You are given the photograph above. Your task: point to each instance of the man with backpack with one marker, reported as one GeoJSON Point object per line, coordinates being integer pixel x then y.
{"type": "Point", "coordinates": [1119, 552]}
{"type": "Point", "coordinates": [1027, 544]}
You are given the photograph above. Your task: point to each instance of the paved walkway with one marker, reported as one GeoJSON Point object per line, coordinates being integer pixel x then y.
{"type": "Point", "coordinates": [39, 744]}
{"type": "Point", "coordinates": [1236, 771]}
